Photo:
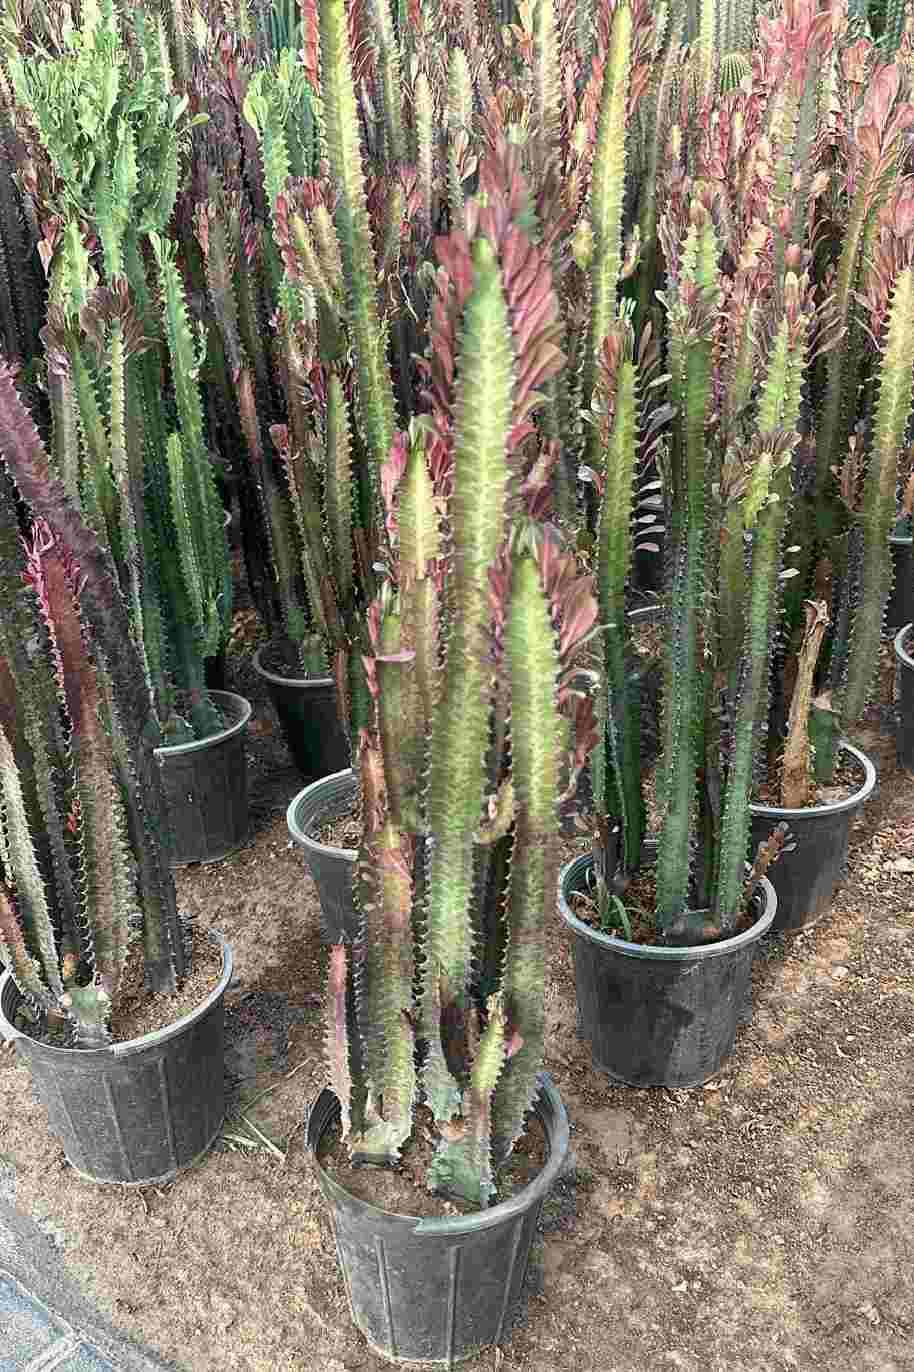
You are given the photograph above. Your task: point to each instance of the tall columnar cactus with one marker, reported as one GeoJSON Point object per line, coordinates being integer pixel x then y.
{"type": "Point", "coordinates": [739, 316]}
{"type": "Point", "coordinates": [483, 594]}
{"type": "Point", "coordinates": [112, 799]}
{"type": "Point", "coordinates": [108, 119]}
{"type": "Point", "coordinates": [860, 615]}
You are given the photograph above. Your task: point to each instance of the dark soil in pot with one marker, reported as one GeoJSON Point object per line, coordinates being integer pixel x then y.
{"type": "Point", "coordinates": [306, 707]}
{"type": "Point", "coordinates": [403, 1191]}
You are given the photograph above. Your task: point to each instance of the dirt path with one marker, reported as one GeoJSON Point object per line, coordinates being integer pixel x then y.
{"type": "Point", "coordinates": [764, 1222]}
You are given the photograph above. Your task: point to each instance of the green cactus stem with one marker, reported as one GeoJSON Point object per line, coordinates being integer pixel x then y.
{"type": "Point", "coordinates": [341, 124]}
{"type": "Point", "coordinates": [457, 773]}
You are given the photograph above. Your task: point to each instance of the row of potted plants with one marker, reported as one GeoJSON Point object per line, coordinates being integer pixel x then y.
{"type": "Point", "coordinates": [474, 300]}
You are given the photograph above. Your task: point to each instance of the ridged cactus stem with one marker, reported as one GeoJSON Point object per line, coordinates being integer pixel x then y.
{"type": "Point", "coordinates": [107, 617]}
{"type": "Point", "coordinates": [127, 496]}
{"type": "Point", "coordinates": [390, 81]}
{"type": "Point", "coordinates": [683, 720]}
{"type": "Point", "coordinates": [607, 194]}
{"type": "Point", "coordinates": [547, 95]}
{"type": "Point", "coordinates": [734, 831]}
{"type": "Point", "coordinates": [647, 212]}
{"type": "Point", "coordinates": [537, 745]}
{"type": "Point", "coordinates": [424, 143]}
{"type": "Point", "coordinates": [878, 512]}
{"type": "Point", "coordinates": [623, 799]}
{"type": "Point", "coordinates": [707, 48]}
{"type": "Point", "coordinates": [457, 774]}
{"type": "Point", "coordinates": [830, 431]}
{"type": "Point", "coordinates": [385, 985]}
{"type": "Point", "coordinates": [341, 125]}
{"type": "Point", "coordinates": [64, 441]}
{"type": "Point", "coordinates": [459, 121]}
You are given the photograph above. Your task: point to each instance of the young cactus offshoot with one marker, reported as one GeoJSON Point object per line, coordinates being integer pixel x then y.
{"type": "Point", "coordinates": [467, 748]}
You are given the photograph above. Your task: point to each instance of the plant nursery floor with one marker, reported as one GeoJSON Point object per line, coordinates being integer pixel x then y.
{"type": "Point", "coordinates": [764, 1222]}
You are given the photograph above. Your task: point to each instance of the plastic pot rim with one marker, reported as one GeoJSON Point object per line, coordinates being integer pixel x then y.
{"type": "Point", "coordinates": [901, 651]}
{"type": "Point", "coordinates": [129, 1047]}
{"type": "Point", "coordinates": [241, 706]}
{"type": "Point", "coordinates": [299, 834]}
{"type": "Point", "coordinates": [902, 540]}
{"type": "Point", "coordinates": [835, 807]}
{"type": "Point", "coordinates": [304, 681]}
{"type": "Point", "coordinates": [558, 1135]}
{"type": "Point", "coordinates": [650, 952]}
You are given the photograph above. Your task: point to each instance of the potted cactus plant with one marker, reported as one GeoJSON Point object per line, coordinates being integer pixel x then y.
{"type": "Point", "coordinates": [871, 367]}
{"type": "Point", "coordinates": [127, 428]}
{"type": "Point", "coordinates": [474, 641]}
{"type": "Point", "coordinates": [85, 881]}
{"type": "Point", "coordinates": [661, 986]}
{"type": "Point", "coordinates": [305, 463]}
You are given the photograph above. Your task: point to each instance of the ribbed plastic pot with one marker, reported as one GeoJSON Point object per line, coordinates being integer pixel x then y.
{"type": "Point", "coordinates": [436, 1291]}
{"type": "Point", "coordinates": [656, 1015]}
{"type": "Point", "coordinates": [900, 609]}
{"type": "Point", "coordinates": [807, 873]}
{"type": "Point", "coordinates": [331, 868]}
{"type": "Point", "coordinates": [139, 1112]}
{"type": "Point", "coordinates": [206, 786]}
{"type": "Point", "coordinates": [306, 708]}
{"type": "Point", "coordinates": [904, 696]}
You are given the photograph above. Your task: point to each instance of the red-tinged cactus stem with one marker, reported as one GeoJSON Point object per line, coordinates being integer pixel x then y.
{"type": "Point", "coordinates": [106, 614]}
{"type": "Point", "coordinates": [341, 124]}
{"type": "Point", "coordinates": [103, 863]}
{"type": "Point", "coordinates": [384, 988]}
{"type": "Point", "coordinates": [337, 1036]}
{"type": "Point", "coordinates": [15, 954]}
{"type": "Point", "coordinates": [457, 775]}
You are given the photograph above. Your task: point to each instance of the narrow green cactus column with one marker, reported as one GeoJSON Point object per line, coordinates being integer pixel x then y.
{"type": "Point", "coordinates": [457, 775]}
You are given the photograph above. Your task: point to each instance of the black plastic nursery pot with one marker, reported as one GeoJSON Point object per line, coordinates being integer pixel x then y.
{"type": "Point", "coordinates": [814, 861]}
{"type": "Point", "coordinates": [436, 1290]}
{"type": "Point", "coordinates": [138, 1112]}
{"type": "Point", "coordinates": [331, 868]}
{"type": "Point", "coordinates": [657, 1015]}
{"type": "Point", "coordinates": [904, 696]}
{"type": "Point", "coordinates": [206, 786]}
{"type": "Point", "coordinates": [306, 707]}
{"type": "Point", "coordinates": [900, 609]}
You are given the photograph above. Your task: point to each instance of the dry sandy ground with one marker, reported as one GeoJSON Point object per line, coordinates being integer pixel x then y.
{"type": "Point", "coordinates": [765, 1222]}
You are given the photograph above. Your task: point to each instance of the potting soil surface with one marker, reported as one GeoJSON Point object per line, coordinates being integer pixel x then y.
{"type": "Point", "coordinates": [764, 1222]}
